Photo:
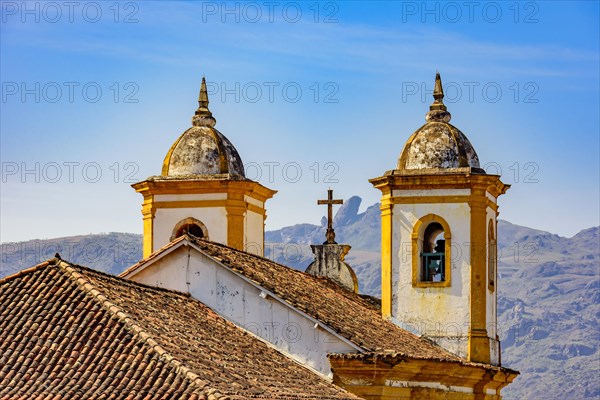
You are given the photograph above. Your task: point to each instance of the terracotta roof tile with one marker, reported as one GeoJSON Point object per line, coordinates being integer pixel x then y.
{"type": "Point", "coordinates": [349, 314]}
{"type": "Point", "coordinates": [68, 332]}
{"type": "Point", "coordinates": [346, 312]}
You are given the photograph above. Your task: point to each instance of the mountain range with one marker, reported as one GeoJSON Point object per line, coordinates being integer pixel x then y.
{"type": "Point", "coordinates": [548, 289]}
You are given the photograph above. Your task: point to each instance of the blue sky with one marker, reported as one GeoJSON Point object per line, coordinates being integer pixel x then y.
{"type": "Point", "coordinates": [312, 94]}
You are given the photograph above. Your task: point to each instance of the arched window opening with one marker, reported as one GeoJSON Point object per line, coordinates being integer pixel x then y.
{"type": "Point", "coordinates": [492, 256]}
{"type": "Point", "coordinates": [191, 229]}
{"type": "Point", "coordinates": [433, 254]}
{"type": "Point", "coordinates": [190, 226]}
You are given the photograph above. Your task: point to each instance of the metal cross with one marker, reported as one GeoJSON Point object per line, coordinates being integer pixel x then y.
{"type": "Point", "coordinates": [330, 235]}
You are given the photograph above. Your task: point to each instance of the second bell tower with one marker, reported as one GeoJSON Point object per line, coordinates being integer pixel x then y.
{"type": "Point", "coordinates": [438, 230]}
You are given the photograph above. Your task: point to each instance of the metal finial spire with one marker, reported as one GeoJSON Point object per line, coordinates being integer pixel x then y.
{"type": "Point", "coordinates": [438, 111]}
{"type": "Point", "coordinates": [203, 116]}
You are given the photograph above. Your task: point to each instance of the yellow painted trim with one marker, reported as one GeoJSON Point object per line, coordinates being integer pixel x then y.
{"type": "Point", "coordinates": [255, 209]}
{"type": "Point", "coordinates": [417, 244]}
{"type": "Point", "coordinates": [391, 181]}
{"type": "Point", "coordinates": [430, 199]}
{"type": "Point", "coordinates": [235, 204]}
{"type": "Point", "coordinates": [236, 209]}
{"type": "Point", "coordinates": [492, 253]}
{"type": "Point", "coordinates": [148, 212]}
{"type": "Point", "coordinates": [191, 204]}
{"type": "Point", "coordinates": [479, 342]}
{"type": "Point", "coordinates": [262, 250]}
{"type": "Point", "coordinates": [250, 188]}
{"type": "Point", "coordinates": [480, 204]}
{"type": "Point", "coordinates": [439, 199]}
{"type": "Point", "coordinates": [167, 160]}
{"type": "Point", "coordinates": [368, 378]}
{"type": "Point", "coordinates": [386, 255]}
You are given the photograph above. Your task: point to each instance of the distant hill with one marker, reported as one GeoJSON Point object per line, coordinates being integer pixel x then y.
{"type": "Point", "coordinates": [108, 252]}
{"type": "Point", "coordinates": [548, 301]}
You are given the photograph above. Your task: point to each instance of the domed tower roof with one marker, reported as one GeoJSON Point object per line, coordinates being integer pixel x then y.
{"type": "Point", "coordinates": [438, 145]}
{"type": "Point", "coordinates": [202, 150]}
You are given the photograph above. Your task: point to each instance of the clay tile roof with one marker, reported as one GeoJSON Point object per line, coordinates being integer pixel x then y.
{"type": "Point", "coordinates": [347, 313]}
{"type": "Point", "coordinates": [68, 332]}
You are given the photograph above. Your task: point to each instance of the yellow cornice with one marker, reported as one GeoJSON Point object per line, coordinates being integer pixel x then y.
{"type": "Point", "coordinates": [367, 377]}
{"type": "Point", "coordinates": [249, 188]}
{"type": "Point", "coordinates": [491, 183]}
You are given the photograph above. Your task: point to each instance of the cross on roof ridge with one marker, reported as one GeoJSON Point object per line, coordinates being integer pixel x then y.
{"type": "Point", "coordinates": [330, 234]}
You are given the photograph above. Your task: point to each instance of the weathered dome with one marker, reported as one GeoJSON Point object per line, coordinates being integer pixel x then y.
{"type": "Point", "coordinates": [438, 144]}
{"type": "Point", "coordinates": [203, 150]}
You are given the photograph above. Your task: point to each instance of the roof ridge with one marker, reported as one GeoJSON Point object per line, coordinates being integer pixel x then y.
{"type": "Point", "coordinates": [26, 271]}
{"type": "Point", "coordinates": [126, 281]}
{"type": "Point", "coordinates": [204, 240]}
{"type": "Point", "coordinates": [55, 262]}
{"type": "Point", "coordinates": [200, 241]}
{"type": "Point", "coordinates": [332, 284]}
{"type": "Point", "coordinates": [154, 254]}
{"type": "Point", "coordinates": [90, 289]}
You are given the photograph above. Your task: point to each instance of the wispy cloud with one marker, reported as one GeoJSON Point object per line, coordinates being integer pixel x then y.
{"type": "Point", "coordinates": [179, 37]}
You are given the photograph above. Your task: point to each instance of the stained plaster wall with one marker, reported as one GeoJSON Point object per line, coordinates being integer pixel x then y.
{"type": "Point", "coordinates": [239, 301]}
{"type": "Point", "coordinates": [440, 313]}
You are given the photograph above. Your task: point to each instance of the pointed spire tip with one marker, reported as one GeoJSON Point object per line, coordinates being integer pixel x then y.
{"type": "Point", "coordinates": [438, 110]}
{"type": "Point", "coordinates": [203, 116]}
{"type": "Point", "coordinates": [438, 90]}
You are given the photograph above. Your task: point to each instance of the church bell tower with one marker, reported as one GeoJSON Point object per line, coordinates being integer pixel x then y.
{"type": "Point", "coordinates": [203, 191]}
{"type": "Point", "coordinates": [438, 239]}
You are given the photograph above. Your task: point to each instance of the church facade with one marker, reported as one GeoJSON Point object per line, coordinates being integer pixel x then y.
{"type": "Point", "coordinates": [434, 334]}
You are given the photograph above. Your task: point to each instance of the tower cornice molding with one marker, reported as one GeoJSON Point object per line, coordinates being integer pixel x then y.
{"type": "Point", "coordinates": [170, 186]}
{"type": "Point", "coordinates": [476, 182]}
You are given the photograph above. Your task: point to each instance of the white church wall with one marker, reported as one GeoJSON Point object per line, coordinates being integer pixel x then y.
{"type": "Point", "coordinates": [239, 301]}
{"type": "Point", "coordinates": [253, 235]}
{"type": "Point", "coordinates": [423, 310]}
{"type": "Point", "coordinates": [165, 219]}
